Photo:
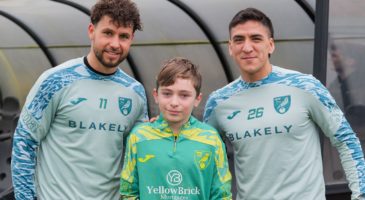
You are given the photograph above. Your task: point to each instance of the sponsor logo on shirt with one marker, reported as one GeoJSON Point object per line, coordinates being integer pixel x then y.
{"type": "Point", "coordinates": [259, 132]}
{"type": "Point", "coordinates": [202, 159]}
{"type": "Point", "coordinates": [125, 105]}
{"type": "Point", "coordinates": [282, 104]}
{"type": "Point", "coordinates": [146, 158]}
{"type": "Point", "coordinates": [97, 126]}
{"type": "Point", "coordinates": [77, 101]}
{"type": "Point", "coordinates": [174, 178]}
{"type": "Point", "coordinates": [231, 116]}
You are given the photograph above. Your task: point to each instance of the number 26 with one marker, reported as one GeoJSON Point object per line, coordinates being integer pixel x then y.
{"type": "Point", "coordinates": [255, 113]}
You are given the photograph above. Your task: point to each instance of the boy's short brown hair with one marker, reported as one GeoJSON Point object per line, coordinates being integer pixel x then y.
{"type": "Point", "coordinates": [122, 12]}
{"type": "Point", "coordinates": [179, 68]}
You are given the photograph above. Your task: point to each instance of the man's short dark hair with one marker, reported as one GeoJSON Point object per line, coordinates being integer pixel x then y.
{"type": "Point", "coordinates": [253, 14]}
{"type": "Point", "coordinates": [122, 12]}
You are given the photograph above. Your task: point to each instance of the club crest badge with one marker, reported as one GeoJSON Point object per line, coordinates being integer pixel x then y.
{"type": "Point", "coordinates": [282, 104]}
{"type": "Point", "coordinates": [125, 105]}
{"type": "Point", "coordinates": [202, 159]}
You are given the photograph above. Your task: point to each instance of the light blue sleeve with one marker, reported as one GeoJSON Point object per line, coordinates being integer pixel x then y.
{"type": "Point", "coordinates": [143, 117]}
{"type": "Point", "coordinates": [331, 120]}
{"type": "Point", "coordinates": [23, 162]}
{"type": "Point", "coordinates": [216, 98]}
{"type": "Point", "coordinates": [208, 116]}
{"type": "Point", "coordinates": [33, 125]}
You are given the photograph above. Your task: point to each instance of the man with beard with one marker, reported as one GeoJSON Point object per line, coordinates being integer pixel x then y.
{"type": "Point", "coordinates": [69, 139]}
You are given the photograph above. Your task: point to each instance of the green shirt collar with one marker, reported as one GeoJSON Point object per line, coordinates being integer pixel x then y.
{"type": "Point", "coordinates": [162, 124]}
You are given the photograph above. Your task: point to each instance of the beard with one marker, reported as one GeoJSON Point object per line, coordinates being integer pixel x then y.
{"type": "Point", "coordinates": [109, 63]}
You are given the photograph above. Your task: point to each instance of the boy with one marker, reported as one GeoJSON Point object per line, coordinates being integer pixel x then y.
{"type": "Point", "coordinates": [177, 156]}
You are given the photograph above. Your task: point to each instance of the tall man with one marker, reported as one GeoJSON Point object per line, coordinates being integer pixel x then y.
{"type": "Point", "coordinates": [69, 139]}
{"type": "Point", "coordinates": [271, 116]}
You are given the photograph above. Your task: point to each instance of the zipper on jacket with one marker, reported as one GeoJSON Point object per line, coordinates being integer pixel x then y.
{"type": "Point", "coordinates": [175, 141]}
